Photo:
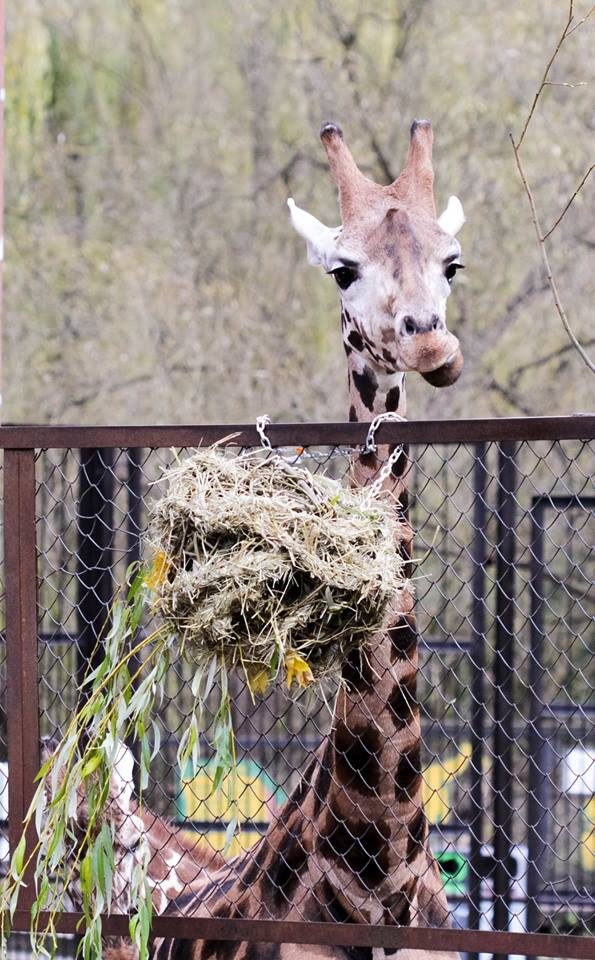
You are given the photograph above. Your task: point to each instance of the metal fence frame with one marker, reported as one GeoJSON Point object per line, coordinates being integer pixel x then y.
{"type": "Point", "coordinates": [20, 443]}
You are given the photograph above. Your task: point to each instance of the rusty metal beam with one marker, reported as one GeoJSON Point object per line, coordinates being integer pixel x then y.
{"type": "Point", "coordinates": [22, 714]}
{"type": "Point", "coordinates": [342, 934]}
{"type": "Point", "coordinates": [304, 434]}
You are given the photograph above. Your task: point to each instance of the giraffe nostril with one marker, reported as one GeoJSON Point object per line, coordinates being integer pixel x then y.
{"type": "Point", "coordinates": [435, 321]}
{"type": "Point", "coordinates": [409, 326]}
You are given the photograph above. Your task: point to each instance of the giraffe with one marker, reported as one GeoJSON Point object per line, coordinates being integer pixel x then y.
{"type": "Point", "coordinates": [351, 843]}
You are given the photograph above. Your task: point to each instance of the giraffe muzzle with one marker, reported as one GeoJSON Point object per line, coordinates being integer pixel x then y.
{"type": "Point", "coordinates": [435, 354]}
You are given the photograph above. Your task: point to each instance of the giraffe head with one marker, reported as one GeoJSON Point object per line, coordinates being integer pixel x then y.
{"type": "Point", "coordinates": [393, 260]}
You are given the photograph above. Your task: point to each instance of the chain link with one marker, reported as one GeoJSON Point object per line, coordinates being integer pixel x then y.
{"type": "Point", "coordinates": [370, 446]}
{"type": "Point", "coordinates": [261, 424]}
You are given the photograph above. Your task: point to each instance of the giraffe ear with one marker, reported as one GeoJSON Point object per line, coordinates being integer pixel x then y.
{"type": "Point", "coordinates": [453, 217]}
{"type": "Point", "coordinates": [321, 241]}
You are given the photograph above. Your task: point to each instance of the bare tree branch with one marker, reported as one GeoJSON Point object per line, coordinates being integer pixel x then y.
{"type": "Point", "coordinates": [516, 375]}
{"type": "Point", "coordinates": [546, 72]}
{"type": "Point", "coordinates": [546, 261]}
{"type": "Point", "coordinates": [541, 236]}
{"type": "Point", "coordinates": [569, 204]}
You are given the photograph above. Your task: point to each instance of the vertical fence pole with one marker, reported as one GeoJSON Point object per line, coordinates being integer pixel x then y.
{"type": "Point", "coordinates": [21, 646]}
{"type": "Point", "coordinates": [477, 656]}
{"type": "Point", "coordinates": [94, 554]}
{"type": "Point", "coordinates": [504, 686]}
{"type": "Point", "coordinates": [537, 803]}
{"type": "Point", "coordinates": [134, 521]}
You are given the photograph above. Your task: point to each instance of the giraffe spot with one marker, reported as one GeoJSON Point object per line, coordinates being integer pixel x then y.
{"type": "Point", "coordinates": [403, 501]}
{"type": "Point", "coordinates": [256, 863]}
{"type": "Point", "coordinates": [356, 757]}
{"type": "Point", "coordinates": [369, 461]}
{"type": "Point", "coordinates": [296, 798]}
{"type": "Point", "coordinates": [396, 911]}
{"type": "Point", "coordinates": [362, 847]}
{"type": "Point", "coordinates": [263, 951]}
{"type": "Point", "coordinates": [402, 701]}
{"type": "Point", "coordinates": [355, 339]}
{"type": "Point", "coordinates": [323, 781]}
{"type": "Point", "coordinates": [408, 775]}
{"type": "Point", "coordinates": [403, 637]}
{"type": "Point", "coordinates": [366, 385]}
{"type": "Point", "coordinates": [211, 950]}
{"type": "Point", "coordinates": [388, 355]}
{"type": "Point", "coordinates": [348, 349]}
{"type": "Point", "coordinates": [182, 949]}
{"type": "Point", "coordinates": [404, 547]}
{"type": "Point", "coordinates": [387, 335]}
{"type": "Point", "coordinates": [390, 249]}
{"type": "Point", "coordinates": [332, 904]}
{"type": "Point", "coordinates": [285, 871]}
{"type": "Point", "coordinates": [357, 672]}
{"type": "Point", "coordinates": [352, 414]}
{"type": "Point", "coordinates": [393, 396]}
{"type": "Point", "coordinates": [400, 465]}
{"type": "Point", "coordinates": [417, 834]}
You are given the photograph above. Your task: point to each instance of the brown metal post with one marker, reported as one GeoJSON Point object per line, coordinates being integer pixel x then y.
{"type": "Point", "coordinates": [21, 643]}
{"type": "Point", "coordinates": [2, 99]}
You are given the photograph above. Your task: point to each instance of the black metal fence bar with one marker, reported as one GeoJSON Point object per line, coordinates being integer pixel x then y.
{"type": "Point", "coordinates": [503, 685]}
{"type": "Point", "coordinates": [477, 654]}
{"type": "Point", "coordinates": [94, 583]}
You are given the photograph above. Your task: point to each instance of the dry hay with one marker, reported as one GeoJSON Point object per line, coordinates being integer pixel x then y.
{"type": "Point", "coordinates": [259, 561]}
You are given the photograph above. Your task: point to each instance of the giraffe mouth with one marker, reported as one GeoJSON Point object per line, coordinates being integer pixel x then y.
{"type": "Point", "coordinates": [426, 353]}
{"type": "Point", "coordinates": [448, 373]}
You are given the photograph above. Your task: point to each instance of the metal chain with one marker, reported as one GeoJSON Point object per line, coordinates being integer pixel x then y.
{"type": "Point", "coordinates": [371, 447]}
{"type": "Point", "coordinates": [261, 424]}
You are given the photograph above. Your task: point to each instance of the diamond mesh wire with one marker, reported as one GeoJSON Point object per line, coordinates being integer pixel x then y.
{"type": "Point", "coordinates": [497, 707]}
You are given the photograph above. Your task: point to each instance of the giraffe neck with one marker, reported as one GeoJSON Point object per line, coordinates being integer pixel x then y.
{"type": "Point", "coordinates": [372, 824]}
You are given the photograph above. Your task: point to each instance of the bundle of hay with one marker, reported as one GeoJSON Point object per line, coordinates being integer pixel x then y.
{"type": "Point", "coordinates": [265, 565]}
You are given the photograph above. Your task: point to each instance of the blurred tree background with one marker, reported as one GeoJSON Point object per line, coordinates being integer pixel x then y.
{"type": "Point", "coordinates": [151, 271]}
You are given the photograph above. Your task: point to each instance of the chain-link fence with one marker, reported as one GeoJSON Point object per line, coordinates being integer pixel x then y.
{"type": "Point", "coordinates": [503, 549]}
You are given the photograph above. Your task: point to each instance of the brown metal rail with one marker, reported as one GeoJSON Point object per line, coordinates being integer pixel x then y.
{"type": "Point", "coordinates": [343, 934]}
{"type": "Point", "coordinates": [581, 427]}
{"type": "Point", "coordinates": [20, 443]}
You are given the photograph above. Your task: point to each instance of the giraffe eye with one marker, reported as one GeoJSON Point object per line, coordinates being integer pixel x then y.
{"type": "Point", "coordinates": [345, 276]}
{"type": "Point", "coordinates": [451, 270]}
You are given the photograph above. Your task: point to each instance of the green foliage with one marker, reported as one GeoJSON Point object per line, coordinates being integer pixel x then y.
{"type": "Point", "coordinates": [73, 793]}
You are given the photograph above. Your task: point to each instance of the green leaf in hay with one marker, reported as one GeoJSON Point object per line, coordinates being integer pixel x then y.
{"type": "Point", "coordinates": [91, 764]}
{"type": "Point", "coordinates": [230, 833]}
{"type": "Point", "coordinates": [18, 857]}
{"type": "Point", "coordinates": [156, 739]}
{"type": "Point", "coordinates": [86, 879]}
{"type": "Point", "coordinates": [210, 677]}
{"type": "Point", "coordinates": [55, 850]}
{"type": "Point", "coordinates": [146, 916]}
{"type": "Point", "coordinates": [96, 675]}
{"type": "Point", "coordinates": [44, 769]}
